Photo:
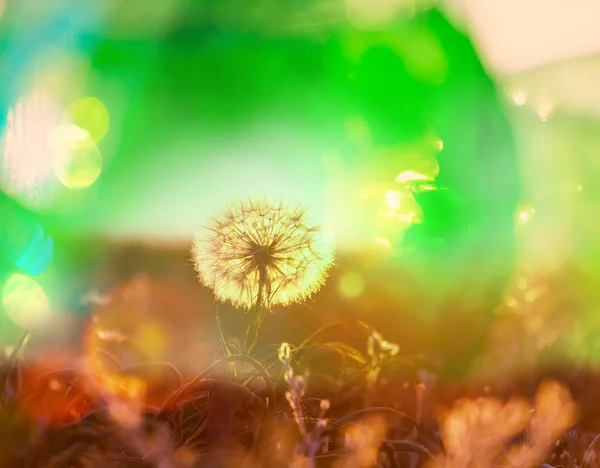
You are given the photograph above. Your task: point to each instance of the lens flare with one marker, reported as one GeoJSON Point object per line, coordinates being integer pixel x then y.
{"type": "Point", "coordinates": [25, 302]}
{"type": "Point", "coordinates": [24, 242]}
{"type": "Point", "coordinates": [26, 160]}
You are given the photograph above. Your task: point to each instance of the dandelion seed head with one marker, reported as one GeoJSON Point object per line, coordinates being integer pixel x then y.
{"type": "Point", "coordinates": [262, 248]}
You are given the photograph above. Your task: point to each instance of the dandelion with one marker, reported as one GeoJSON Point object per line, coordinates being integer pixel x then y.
{"type": "Point", "coordinates": [262, 248]}
{"type": "Point", "coordinates": [258, 254]}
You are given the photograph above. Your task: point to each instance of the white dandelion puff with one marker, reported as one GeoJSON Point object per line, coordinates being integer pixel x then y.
{"type": "Point", "coordinates": [262, 252]}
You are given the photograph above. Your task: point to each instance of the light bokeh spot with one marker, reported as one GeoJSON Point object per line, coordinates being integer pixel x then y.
{"type": "Point", "coordinates": [525, 214]}
{"type": "Point", "coordinates": [78, 161]}
{"type": "Point", "coordinates": [351, 285]}
{"type": "Point", "coordinates": [152, 339]}
{"type": "Point", "coordinates": [25, 302]}
{"type": "Point", "coordinates": [91, 115]}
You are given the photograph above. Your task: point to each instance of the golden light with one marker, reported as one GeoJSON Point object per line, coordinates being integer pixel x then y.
{"type": "Point", "coordinates": [351, 285]}
{"type": "Point", "coordinates": [25, 302]}
{"type": "Point", "coordinates": [91, 115]}
{"type": "Point", "coordinates": [77, 160]}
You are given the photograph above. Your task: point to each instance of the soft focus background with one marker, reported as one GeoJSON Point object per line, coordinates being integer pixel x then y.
{"type": "Point", "coordinates": [450, 147]}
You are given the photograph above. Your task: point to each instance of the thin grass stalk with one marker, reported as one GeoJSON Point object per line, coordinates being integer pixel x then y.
{"type": "Point", "coordinates": [12, 359]}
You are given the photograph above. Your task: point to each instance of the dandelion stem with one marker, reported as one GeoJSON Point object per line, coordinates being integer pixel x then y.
{"type": "Point", "coordinates": [254, 326]}
{"type": "Point", "coordinates": [258, 308]}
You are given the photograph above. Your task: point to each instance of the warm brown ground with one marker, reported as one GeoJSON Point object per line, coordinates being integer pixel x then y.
{"type": "Point", "coordinates": [163, 315]}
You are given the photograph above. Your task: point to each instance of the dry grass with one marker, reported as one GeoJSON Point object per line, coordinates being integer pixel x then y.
{"type": "Point", "coordinates": [274, 411]}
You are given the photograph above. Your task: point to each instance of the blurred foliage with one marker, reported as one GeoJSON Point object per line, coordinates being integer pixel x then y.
{"type": "Point", "coordinates": [197, 74]}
